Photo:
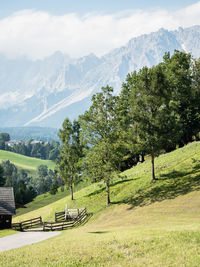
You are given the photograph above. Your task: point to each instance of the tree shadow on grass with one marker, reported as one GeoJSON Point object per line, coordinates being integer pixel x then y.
{"type": "Point", "coordinates": [103, 188]}
{"type": "Point", "coordinates": [123, 181]}
{"type": "Point", "coordinates": [169, 186]}
{"type": "Point", "coordinates": [173, 175]}
{"type": "Point", "coordinates": [89, 216]}
{"type": "Point", "coordinates": [178, 174]}
{"type": "Point", "coordinates": [99, 232]}
{"type": "Point", "coordinates": [197, 166]}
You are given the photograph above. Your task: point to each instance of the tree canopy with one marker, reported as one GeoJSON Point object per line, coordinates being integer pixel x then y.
{"type": "Point", "coordinates": [71, 152]}
{"type": "Point", "coordinates": [157, 110]}
{"type": "Point", "coordinates": [100, 135]}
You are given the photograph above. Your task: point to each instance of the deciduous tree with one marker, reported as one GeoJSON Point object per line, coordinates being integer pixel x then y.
{"type": "Point", "coordinates": [71, 152]}
{"type": "Point", "coordinates": [153, 121]}
{"type": "Point", "coordinates": [99, 133]}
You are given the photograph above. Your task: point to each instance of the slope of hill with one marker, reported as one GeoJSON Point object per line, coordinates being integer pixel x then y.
{"type": "Point", "coordinates": [146, 224]}
{"type": "Point", "coordinates": [178, 173]}
{"type": "Point", "coordinates": [27, 163]}
{"type": "Point", "coordinates": [45, 92]}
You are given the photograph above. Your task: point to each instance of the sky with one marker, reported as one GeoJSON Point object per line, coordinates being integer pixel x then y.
{"type": "Point", "coordinates": [37, 28]}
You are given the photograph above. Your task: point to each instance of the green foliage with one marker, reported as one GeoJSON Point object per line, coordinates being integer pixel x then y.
{"type": "Point", "coordinates": [99, 133]}
{"type": "Point", "coordinates": [71, 152]}
{"type": "Point", "coordinates": [184, 98]}
{"type": "Point", "coordinates": [3, 138]}
{"type": "Point", "coordinates": [24, 193]}
{"type": "Point", "coordinates": [54, 153]}
{"type": "Point", "coordinates": [45, 178]}
{"type": "Point", "coordinates": [159, 107]}
{"type": "Point", "coordinates": [130, 155]}
{"type": "Point", "coordinates": [25, 186]}
{"type": "Point", "coordinates": [157, 110]}
{"type": "Point", "coordinates": [2, 145]}
{"type": "Point", "coordinates": [37, 149]}
{"type": "Point", "coordinates": [19, 180]}
{"type": "Point", "coordinates": [10, 173]}
{"type": "Point", "coordinates": [2, 178]}
{"type": "Point", "coordinates": [154, 123]}
{"type": "Point", "coordinates": [42, 171]}
{"type": "Point", "coordinates": [53, 188]}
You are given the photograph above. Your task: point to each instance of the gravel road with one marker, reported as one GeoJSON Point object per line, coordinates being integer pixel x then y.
{"type": "Point", "coordinates": [23, 239]}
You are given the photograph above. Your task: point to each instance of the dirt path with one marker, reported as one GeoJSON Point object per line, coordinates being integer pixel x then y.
{"type": "Point", "coordinates": [23, 239]}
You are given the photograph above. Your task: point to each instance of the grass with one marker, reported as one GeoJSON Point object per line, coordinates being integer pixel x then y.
{"type": "Point", "coordinates": [146, 224]}
{"type": "Point", "coordinates": [24, 162]}
{"type": "Point", "coordinates": [154, 235]}
{"type": "Point", "coordinates": [178, 173]}
{"type": "Point", "coordinates": [47, 199]}
{"type": "Point", "coordinates": [7, 232]}
{"type": "Point", "coordinates": [41, 201]}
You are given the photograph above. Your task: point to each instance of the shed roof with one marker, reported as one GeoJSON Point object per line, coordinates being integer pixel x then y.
{"type": "Point", "coordinates": [7, 201]}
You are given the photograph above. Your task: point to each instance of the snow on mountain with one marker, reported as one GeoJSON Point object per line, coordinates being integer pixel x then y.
{"type": "Point", "coordinates": [45, 92]}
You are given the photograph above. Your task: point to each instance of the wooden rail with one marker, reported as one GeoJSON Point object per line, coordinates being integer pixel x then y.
{"type": "Point", "coordinates": [69, 215]}
{"type": "Point", "coordinates": [62, 225]}
{"type": "Point", "coordinates": [27, 224]}
{"type": "Point", "coordinates": [36, 224]}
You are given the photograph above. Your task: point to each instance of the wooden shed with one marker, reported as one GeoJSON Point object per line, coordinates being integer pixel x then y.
{"type": "Point", "coordinates": [7, 207]}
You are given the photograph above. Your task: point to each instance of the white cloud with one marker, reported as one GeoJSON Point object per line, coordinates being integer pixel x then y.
{"type": "Point", "coordinates": [37, 34]}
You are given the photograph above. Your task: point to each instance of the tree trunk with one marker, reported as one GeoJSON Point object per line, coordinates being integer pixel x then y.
{"type": "Point", "coordinates": [71, 188]}
{"type": "Point", "coordinates": [137, 158]}
{"type": "Point", "coordinates": [153, 165]}
{"type": "Point", "coordinates": [108, 191]}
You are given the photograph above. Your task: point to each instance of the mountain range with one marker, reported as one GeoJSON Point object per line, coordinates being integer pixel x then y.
{"type": "Point", "coordinates": [45, 92]}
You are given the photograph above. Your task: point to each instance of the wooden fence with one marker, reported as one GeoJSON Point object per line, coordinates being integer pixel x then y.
{"type": "Point", "coordinates": [68, 215]}
{"type": "Point", "coordinates": [27, 224]}
{"type": "Point", "coordinates": [36, 224]}
{"type": "Point", "coordinates": [62, 225]}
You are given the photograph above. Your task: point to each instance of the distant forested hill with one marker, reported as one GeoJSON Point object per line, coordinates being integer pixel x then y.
{"type": "Point", "coordinates": [37, 133]}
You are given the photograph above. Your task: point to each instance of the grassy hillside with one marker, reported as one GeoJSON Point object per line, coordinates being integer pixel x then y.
{"type": "Point", "coordinates": [146, 224]}
{"type": "Point", "coordinates": [178, 173]}
{"type": "Point", "coordinates": [24, 162]}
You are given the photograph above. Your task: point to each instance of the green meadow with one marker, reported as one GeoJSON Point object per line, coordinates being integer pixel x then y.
{"type": "Point", "coordinates": [28, 163]}
{"type": "Point", "coordinates": [146, 225]}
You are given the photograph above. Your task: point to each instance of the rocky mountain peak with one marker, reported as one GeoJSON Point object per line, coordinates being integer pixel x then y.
{"type": "Point", "coordinates": [45, 92]}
